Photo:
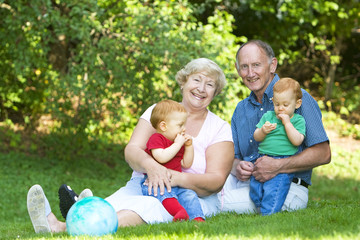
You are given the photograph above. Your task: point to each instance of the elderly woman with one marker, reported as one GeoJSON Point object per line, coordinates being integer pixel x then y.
{"type": "Point", "coordinates": [200, 81]}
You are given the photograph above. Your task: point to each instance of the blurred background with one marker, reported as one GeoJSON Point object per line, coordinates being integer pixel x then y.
{"type": "Point", "coordinates": [85, 70]}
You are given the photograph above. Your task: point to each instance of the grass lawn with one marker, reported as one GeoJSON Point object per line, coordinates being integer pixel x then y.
{"type": "Point", "coordinates": [333, 211]}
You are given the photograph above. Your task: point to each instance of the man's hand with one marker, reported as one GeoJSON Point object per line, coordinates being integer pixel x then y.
{"type": "Point", "coordinates": [244, 170]}
{"type": "Point", "coordinates": [266, 168]}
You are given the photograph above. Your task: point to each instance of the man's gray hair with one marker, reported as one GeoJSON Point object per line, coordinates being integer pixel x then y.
{"type": "Point", "coordinates": [262, 45]}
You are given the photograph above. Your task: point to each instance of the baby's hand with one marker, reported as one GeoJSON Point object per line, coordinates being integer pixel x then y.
{"type": "Point", "coordinates": [268, 127]}
{"type": "Point", "coordinates": [180, 138]}
{"type": "Point", "coordinates": [188, 141]}
{"type": "Point", "coordinates": [284, 118]}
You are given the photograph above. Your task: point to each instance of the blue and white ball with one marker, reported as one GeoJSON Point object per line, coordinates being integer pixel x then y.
{"type": "Point", "coordinates": [91, 216]}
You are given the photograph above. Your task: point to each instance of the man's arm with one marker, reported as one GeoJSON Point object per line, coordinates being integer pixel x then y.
{"type": "Point", "coordinates": [267, 167]}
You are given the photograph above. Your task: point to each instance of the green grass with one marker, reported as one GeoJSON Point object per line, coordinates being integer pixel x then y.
{"type": "Point", "coordinates": [333, 211]}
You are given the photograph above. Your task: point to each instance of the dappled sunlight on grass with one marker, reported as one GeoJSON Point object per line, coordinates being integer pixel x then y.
{"type": "Point", "coordinates": [340, 179]}
{"type": "Point", "coordinates": [344, 164]}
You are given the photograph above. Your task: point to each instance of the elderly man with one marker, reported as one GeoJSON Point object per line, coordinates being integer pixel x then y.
{"type": "Point", "coordinates": [256, 65]}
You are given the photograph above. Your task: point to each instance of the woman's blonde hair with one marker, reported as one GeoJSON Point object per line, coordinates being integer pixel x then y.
{"type": "Point", "coordinates": [162, 109]}
{"type": "Point", "coordinates": [208, 67]}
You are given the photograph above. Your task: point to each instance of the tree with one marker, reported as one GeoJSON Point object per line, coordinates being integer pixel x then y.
{"type": "Point", "coordinates": [318, 37]}
{"type": "Point", "coordinates": [99, 64]}
{"type": "Point", "coordinates": [25, 74]}
{"type": "Point", "coordinates": [313, 34]}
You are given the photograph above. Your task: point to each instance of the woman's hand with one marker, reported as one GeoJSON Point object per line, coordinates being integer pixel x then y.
{"type": "Point", "coordinates": [158, 177]}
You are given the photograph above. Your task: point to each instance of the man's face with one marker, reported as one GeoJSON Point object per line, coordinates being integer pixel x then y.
{"type": "Point", "coordinates": [255, 68]}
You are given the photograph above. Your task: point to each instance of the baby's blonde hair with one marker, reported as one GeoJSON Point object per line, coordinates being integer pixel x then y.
{"type": "Point", "coordinates": [163, 109]}
{"type": "Point", "coordinates": [288, 83]}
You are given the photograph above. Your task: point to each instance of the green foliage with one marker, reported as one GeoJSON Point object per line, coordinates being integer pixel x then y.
{"type": "Point", "coordinates": [12, 138]}
{"type": "Point", "coordinates": [100, 64]}
{"type": "Point", "coordinates": [24, 68]}
{"type": "Point", "coordinates": [315, 35]}
{"type": "Point", "coordinates": [333, 121]}
{"type": "Point", "coordinates": [93, 67]}
{"type": "Point", "coordinates": [218, 36]}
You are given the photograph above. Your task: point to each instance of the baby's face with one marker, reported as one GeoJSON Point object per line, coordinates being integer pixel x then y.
{"type": "Point", "coordinates": [175, 123]}
{"type": "Point", "coordinates": [285, 102]}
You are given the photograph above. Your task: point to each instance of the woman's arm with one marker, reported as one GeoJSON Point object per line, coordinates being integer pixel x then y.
{"type": "Point", "coordinates": [219, 159]}
{"type": "Point", "coordinates": [140, 161]}
{"type": "Point", "coordinates": [135, 155]}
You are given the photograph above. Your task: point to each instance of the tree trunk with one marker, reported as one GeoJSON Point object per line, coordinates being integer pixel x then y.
{"type": "Point", "coordinates": [330, 78]}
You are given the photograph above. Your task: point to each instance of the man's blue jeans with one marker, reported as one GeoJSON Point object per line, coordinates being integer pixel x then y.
{"type": "Point", "coordinates": [270, 195]}
{"type": "Point", "coordinates": [186, 197]}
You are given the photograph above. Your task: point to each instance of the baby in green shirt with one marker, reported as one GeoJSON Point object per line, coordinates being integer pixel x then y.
{"type": "Point", "coordinates": [279, 132]}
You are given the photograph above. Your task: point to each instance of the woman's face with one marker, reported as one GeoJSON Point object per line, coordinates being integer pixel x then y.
{"type": "Point", "coordinates": [198, 91]}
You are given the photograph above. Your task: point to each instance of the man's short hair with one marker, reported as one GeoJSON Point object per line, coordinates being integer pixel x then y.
{"type": "Point", "coordinates": [262, 45]}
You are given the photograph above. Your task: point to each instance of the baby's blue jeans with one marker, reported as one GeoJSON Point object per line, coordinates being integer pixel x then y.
{"type": "Point", "coordinates": [270, 196]}
{"type": "Point", "coordinates": [186, 197]}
